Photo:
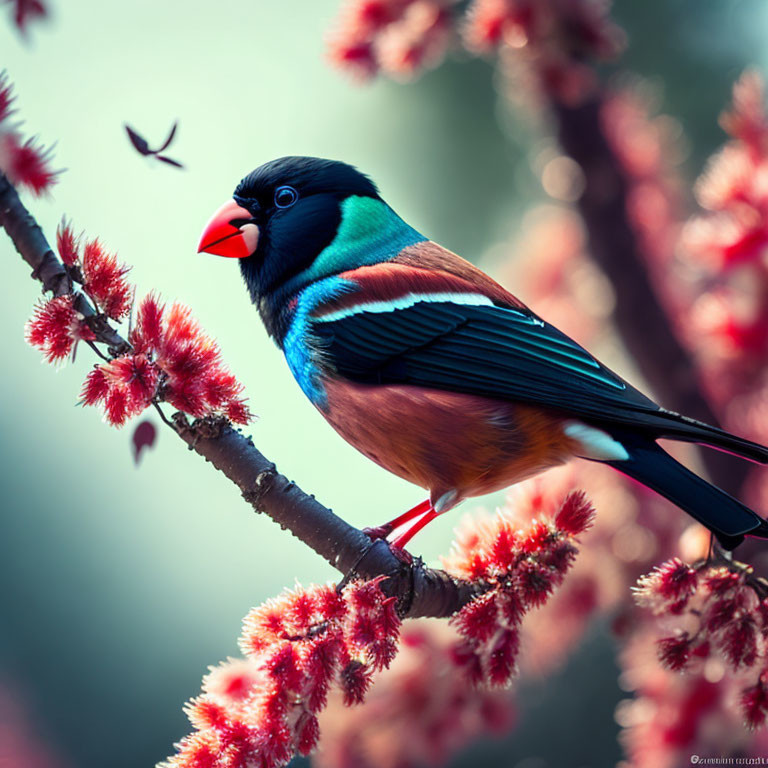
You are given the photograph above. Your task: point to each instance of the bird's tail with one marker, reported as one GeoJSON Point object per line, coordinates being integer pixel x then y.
{"type": "Point", "coordinates": [677, 427]}
{"type": "Point", "coordinates": [726, 517]}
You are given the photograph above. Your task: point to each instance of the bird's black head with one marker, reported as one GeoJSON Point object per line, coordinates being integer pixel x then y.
{"type": "Point", "coordinates": [281, 216]}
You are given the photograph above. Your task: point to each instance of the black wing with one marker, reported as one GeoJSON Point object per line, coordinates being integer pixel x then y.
{"type": "Point", "coordinates": [508, 354]}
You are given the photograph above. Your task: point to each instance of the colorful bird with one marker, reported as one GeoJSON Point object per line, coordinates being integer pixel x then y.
{"type": "Point", "coordinates": [431, 368]}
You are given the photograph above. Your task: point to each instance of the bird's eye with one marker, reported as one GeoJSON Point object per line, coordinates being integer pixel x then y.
{"type": "Point", "coordinates": [285, 197]}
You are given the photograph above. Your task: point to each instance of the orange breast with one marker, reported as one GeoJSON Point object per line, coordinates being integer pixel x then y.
{"type": "Point", "coordinates": [446, 441]}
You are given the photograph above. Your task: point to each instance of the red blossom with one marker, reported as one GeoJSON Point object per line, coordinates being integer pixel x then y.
{"type": "Point", "coordinates": [575, 515]}
{"type": "Point", "coordinates": [725, 616]}
{"type": "Point", "coordinates": [263, 710]}
{"type": "Point", "coordinates": [67, 244]}
{"type": "Point", "coordinates": [674, 652]}
{"type": "Point", "coordinates": [105, 280]}
{"type": "Point", "coordinates": [26, 163]}
{"type": "Point", "coordinates": [125, 385]}
{"type": "Point", "coordinates": [746, 121]}
{"type": "Point", "coordinates": [490, 23]}
{"type": "Point", "coordinates": [147, 334]}
{"type": "Point", "coordinates": [171, 358]}
{"type": "Point", "coordinates": [668, 585]}
{"type": "Point", "coordinates": [725, 246]}
{"type": "Point", "coordinates": [520, 569]}
{"type": "Point", "coordinates": [56, 327]}
{"type": "Point", "coordinates": [355, 56]}
{"type": "Point", "coordinates": [738, 641]}
{"type": "Point", "coordinates": [399, 37]}
{"type": "Point", "coordinates": [754, 703]}
{"type": "Point", "coordinates": [419, 712]}
{"type": "Point", "coordinates": [402, 38]}
{"type": "Point", "coordinates": [95, 387]}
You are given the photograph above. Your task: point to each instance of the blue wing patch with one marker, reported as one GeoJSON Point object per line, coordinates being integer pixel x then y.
{"type": "Point", "coordinates": [298, 344]}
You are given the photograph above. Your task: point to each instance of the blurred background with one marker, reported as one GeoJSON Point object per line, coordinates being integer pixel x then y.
{"type": "Point", "coordinates": [121, 584]}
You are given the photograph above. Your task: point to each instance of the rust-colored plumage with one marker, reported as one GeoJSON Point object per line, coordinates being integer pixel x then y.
{"type": "Point", "coordinates": [447, 441]}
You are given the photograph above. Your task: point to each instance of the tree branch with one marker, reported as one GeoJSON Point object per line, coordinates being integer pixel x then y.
{"type": "Point", "coordinates": [420, 591]}
{"type": "Point", "coordinates": [639, 316]}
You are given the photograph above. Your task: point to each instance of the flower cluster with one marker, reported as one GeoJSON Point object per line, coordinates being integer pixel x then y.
{"type": "Point", "coordinates": [263, 710]}
{"type": "Point", "coordinates": [169, 357]}
{"type": "Point", "coordinates": [56, 327]}
{"type": "Point", "coordinates": [672, 716]}
{"type": "Point", "coordinates": [420, 711]}
{"type": "Point", "coordinates": [546, 47]}
{"type": "Point", "coordinates": [98, 270]}
{"type": "Point", "coordinates": [398, 37]}
{"type": "Point", "coordinates": [726, 244]}
{"type": "Point", "coordinates": [520, 569]}
{"type": "Point", "coordinates": [403, 37]}
{"type": "Point", "coordinates": [24, 162]}
{"type": "Point", "coordinates": [172, 360]}
{"type": "Point", "coordinates": [724, 610]}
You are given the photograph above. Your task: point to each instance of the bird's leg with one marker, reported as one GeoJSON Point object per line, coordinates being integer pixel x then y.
{"type": "Point", "coordinates": [382, 531]}
{"type": "Point", "coordinates": [403, 538]}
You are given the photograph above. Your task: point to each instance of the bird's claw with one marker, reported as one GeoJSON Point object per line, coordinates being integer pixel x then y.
{"type": "Point", "coordinates": [403, 555]}
{"type": "Point", "coordinates": [378, 531]}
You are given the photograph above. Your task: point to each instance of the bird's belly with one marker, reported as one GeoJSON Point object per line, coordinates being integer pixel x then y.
{"type": "Point", "coordinates": [446, 441]}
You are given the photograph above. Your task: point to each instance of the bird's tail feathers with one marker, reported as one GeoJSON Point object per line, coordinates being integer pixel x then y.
{"type": "Point", "coordinates": [692, 431]}
{"type": "Point", "coordinates": [725, 516]}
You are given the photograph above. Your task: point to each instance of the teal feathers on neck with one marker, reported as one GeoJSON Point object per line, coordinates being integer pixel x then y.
{"type": "Point", "coordinates": [370, 232]}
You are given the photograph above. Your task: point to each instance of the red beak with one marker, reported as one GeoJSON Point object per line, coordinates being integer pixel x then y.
{"type": "Point", "coordinates": [231, 232]}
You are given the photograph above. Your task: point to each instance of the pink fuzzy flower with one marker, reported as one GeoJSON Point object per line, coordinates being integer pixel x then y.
{"type": "Point", "coordinates": [126, 386]}
{"type": "Point", "coordinates": [67, 244]}
{"type": "Point", "coordinates": [667, 587]}
{"type": "Point", "coordinates": [746, 121]}
{"type": "Point", "coordinates": [490, 23]}
{"type": "Point", "coordinates": [172, 360]}
{"type": "Point", "coordinates": [56, 327]}
{"type": "Point", "coordinates": [105, 280]}
{"type": "Point", "coordinates": [521, 568]}
{"type": "Point", "coordinates": [24, 162]}
{"type": "Point", "coordinates": [675, 651]}
{"type": "Point", "coordinates": [399, 37]}
{"type": "Point", "coordinates": [754, 703]}
{"type": "Point", "coordinates": [419, 712]}
{"type": "Point", "coordinates": [263, 710]}
{"type": "Point", "coordinates": [726, 624]}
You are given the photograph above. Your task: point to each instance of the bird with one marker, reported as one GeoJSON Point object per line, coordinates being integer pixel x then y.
{"type": "Point", "coordinates": [141, 145]}
{"type": "Point", "coordinates": [430, 367]}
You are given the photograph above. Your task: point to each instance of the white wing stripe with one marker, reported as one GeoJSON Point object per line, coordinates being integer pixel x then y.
{"type": "Point", "coordinates": [403, 302]}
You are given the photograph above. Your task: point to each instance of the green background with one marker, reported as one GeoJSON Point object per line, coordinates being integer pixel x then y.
{"type": "Point", "coordinates": [121, 584]}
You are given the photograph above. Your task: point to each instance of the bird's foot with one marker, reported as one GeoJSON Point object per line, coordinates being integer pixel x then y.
{"type": "Point", "coordinates": [378, 531]}
{"type": "Point", "coordinates": [403, 555]}
{"type": "Point", "coordinates": [382, 531]}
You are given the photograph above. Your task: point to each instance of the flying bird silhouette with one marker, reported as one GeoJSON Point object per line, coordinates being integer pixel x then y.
{"type": "Point", "coordinates": [142, 147]}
